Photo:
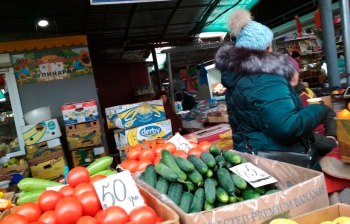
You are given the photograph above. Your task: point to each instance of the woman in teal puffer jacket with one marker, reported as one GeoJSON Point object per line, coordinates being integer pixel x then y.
{"type": "Point", "coordinates": [259, 94]}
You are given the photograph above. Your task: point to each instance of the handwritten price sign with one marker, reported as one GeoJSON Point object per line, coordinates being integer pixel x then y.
{"type": "Point", "coordinates": [180, 142]}
{"type": "Point", "coordinates": [253, 175]}
{"type": "Point", "coordinates": [119, 190]}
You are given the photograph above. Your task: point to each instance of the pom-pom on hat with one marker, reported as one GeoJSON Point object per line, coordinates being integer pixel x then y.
{"type": "Point", "coordinates": [248, 33]}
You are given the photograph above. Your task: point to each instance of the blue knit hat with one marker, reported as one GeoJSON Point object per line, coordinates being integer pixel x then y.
{"type": "Point", "coordinates": [248, 33]}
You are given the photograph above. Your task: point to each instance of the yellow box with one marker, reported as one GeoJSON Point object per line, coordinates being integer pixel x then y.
{"type": "Point", "coordinates": [43, 149]}
{"type": "Point", "coordinates": [41, 132]}
{"type": "Point", "coordinates": [134, 115]}
{"type": "Point", "coordinates": [90, 124]}
{"type": "Point", "coordinates": [82, 138]}
{"type": "Point", "coordinates": [83, 157]}
{"type": "Point", "coordinates": [131, 137]}
{"type": "Point", "coordinates": [50, 169]}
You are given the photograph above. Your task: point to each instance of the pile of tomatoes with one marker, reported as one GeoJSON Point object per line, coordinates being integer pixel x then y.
{"type": "Point", "coordinates": [141, 155]}
{"type": "Point", "coordinates": [77, 203]}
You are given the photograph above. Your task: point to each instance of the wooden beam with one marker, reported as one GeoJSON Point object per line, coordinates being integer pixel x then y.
{"type": "Point", "coordinates": [128, 24]}
{"type": "Point", "coordinates": [169, 19]}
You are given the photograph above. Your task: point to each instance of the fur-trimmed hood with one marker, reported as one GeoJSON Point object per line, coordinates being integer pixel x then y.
{"type": "Point", "coordinates": [245, 61]}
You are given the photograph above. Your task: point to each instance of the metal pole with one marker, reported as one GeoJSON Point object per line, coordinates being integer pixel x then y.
{"type": "Point", "coordinates": [156, 69]}
{"type": "Point", "coordinates": [170, 79]}
{"type": "Point", "coordinates": [329, 42]}
{"type": "Point", "coordinates": [345, 23]}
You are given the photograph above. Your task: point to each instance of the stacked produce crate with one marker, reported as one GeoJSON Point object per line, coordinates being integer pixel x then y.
{"type": "Point", "coordinates": [44, 150]}
{"type": "Point", "coordinates": [133, 123]}
{"type": "Point", "coordinates": [83, 132]}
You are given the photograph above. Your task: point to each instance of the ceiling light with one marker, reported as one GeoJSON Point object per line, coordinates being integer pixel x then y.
{"type": "Point", "coordinates": [43, 23]}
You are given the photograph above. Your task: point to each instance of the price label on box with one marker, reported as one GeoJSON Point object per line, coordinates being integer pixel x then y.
{"type": "Point", "coordinates": [119, 190]}
{"type": "Point", "coordinates": [253, 175]}
{"type": "Point", "coordinates": [180, 142]}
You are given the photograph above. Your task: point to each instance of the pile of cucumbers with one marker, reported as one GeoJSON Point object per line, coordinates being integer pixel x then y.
{"type": "Point", "coordinates": [200, 184]}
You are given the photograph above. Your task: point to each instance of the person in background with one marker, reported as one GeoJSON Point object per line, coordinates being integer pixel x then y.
{"type": "Point", "coordinates": [176, 124]}
{"type": "Point", "coordinates": [259, 95]}
{"type": "Point", "coordinates": [188, 100]}
{"type": "Point", "coordinates": [325, 133]}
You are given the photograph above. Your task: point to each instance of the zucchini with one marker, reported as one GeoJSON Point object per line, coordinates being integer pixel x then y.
{"type": "Point", "coordinates": [226, 181]}
{"type": "Point", "coordinates": [221, 195]}
{"type": "Point", "coordinates": [220, 161]}
{"type": "Point", "coordinates": [198, 164]}
{"type": "Point", "coordinates": [184, 164]}
{"type": "Point", "coordinates": [208, 159]}
{"type": "Point", "coordinates": [175, 192]}
{"type": "Point", "coordinates": [208, 206]}
{"type": "Point", "coordinates": [215, 150]}
{"type": "Point", "coordinates": [166, 172]}
{"type": "Point", "coordinates": [186, 201]}
{"type": "Point", "coordinates": [33, 184]}
{"type": "Point", "coordinates": [232, 157]}
{"type": "Point", "coordinates": [250, 194]}
{"type": "Point", "coordinates": [105, 172]}
{"type": "Point", "coordinates": [30, 196]}
{"type": "Point", "coordinates": [170, 162]}
{"type": "Point", "coordinates": [162, 185]}
{"type": "Point", "coordinates": [195, 177]}
{"type": "Point", "coordinates": [198, 201]}
{"type": "Point", "coordinates": [100, 164]}
{"type": "Point", "coordinates": [110, 172]}
{"type": "Point", "coordinates": [209, 190]}
{"type": "Point", "coordinates": [150, 176]}
{"type": "Point", "coordinates": [239, 181]}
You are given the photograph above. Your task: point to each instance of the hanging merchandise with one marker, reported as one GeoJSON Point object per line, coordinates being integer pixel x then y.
{"type": "Point", "coordinates": [317, 17]}
{"type": "Point", "coordinates": [192, 71]}
{"type": "Point", "coordinates": [183, 74]}
{"type": "Point", "coordinates": [298, 25]}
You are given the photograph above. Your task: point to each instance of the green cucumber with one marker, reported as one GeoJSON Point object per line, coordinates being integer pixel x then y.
{"type": "Point", "coordinates": [220, 204]}
{"type": "Point", "coordinates": [198, 163]}
{"type": "Point", "coordinates": [240, 198]}
{"type": "Point", "coordinates": [221, 195]}
{"type": "Point", "coordinates": [33, 184]}
{"type": "Point", "coordinates": [162, 185]}
{"type": "Point", "coordinates": [208, 206]}
{"type": "Point", "coordinates": [226, 181]}
{"type": "Point", "coordinates": [186, 201]}
{"type": "Point", "coordinates": [220, 161]}
{"type": "Point", "coordinates": [232, 157]}
{"type": "Point", "coordinates": [243, 160]}
{"type": "Point", "coordinates": [166, 172]}
{"type": "Point", "coordinates": [232, 199]}
{"type": "Point", "coordinates": [209, 173]}
{"type": "Point", "coordinates": [30, 196]}
{"type": "Point", "coordinates": [260, 190]}
{"type": "Point", "coordinates": [198, 201]}
{"type": "Point", "coordinates": [215, 182]}
{"type": "Point", "coordinates": [170, 162]}
{"type": "Point", "coordinates": [208, 159]}
{"type": "Point", "coordinates": [215, 169]}
{"type": "Point", "coordinates": [189, 186]}
{"type": "Point", "coordinates": [105, 172]}
{"type": "Point", "coordinates": [150, 176]}
{"type": "Point", "coordinates": [237, 191]}
{"type": "Point", "coordinates": [100, 164]}
{"type": "Point", "coordinates": [175, 192]}
{"type": "Point", "coordinates": [239, 181]}
{"type": "Point", "coordinates": [184, 164]}
{"type": "Point", "coordinates": [214, 150]}
{"type": "Point", "coordinates": [250, 194]}
{"type": "Point", "coordinates": [209, 190]}
{"type": "Point", "coordinates": [228, 165]}
{"type": "Point", "coordinates": [272, 191]}
{"type": "Point", "coordinates": [195, 177]}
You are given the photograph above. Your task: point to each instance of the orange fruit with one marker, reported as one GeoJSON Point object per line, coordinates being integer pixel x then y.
{"type": "Point", "coordinates": [345, 113]}
{"type": "Point", "coordinates": [204, 146]}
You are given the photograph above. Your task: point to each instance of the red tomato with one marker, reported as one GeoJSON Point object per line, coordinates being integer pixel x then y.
{"type": "Point", "coordinates": [29, 210]}
{"type": "Point", "coordinates": [180, 153]}
{"type": "Point", "coordinates": [68, 210]}
{"type": "Point", "coordinates": [83, 187]}
{"type": "Point", "coordinates": [159, 220]}
{"type": "Point", "coordinates": [37, 222]}
{"type": "Point", "coordinates": [96, 178]}
{"type": "Point", "coordinates": [125, 164]}
{"type": "Point", "coordinates": [87, 220]}
{"type": "Point", "coordinates": [158, 149]}
{"type": "Point", "coordinates": [131, 166]}
{"type": "Point", "coordinates": [143, 215]}
{"type": "Point", "coordinates": [67, 191]}
{"type": "Point", "coordinates": [77, 176]}
{"type": "Point", "coordinates": [98, 215]}
{"type": "Point", "coordinates": [48, 217]}
{"type": "Point", "coordinates": [48, 200]}
{"type": "Point", "coordinates": [170, 147]}
{"type": "Point", "coordinates": [15, 219]}
{"type": "Point", "coordinates": [114, 215]}
{"type": "Point", "coordinates": [142, 164]}
{"type": "Point", "coordinates": [133, 154]}
{"type": "Point", "coordinates": [204, 146]}
{"type": "Point", "coordinates": [131, 223]}
{"type": "Point", "coordinates": [195, 151]}
{"type": "Point", "coordinates": [89, 203]}
{"type": "Point", "coordinates": [157, 159]}
{"type": "Point", "coordinates": [148, 154]}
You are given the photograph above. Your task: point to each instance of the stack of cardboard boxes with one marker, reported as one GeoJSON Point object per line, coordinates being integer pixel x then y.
{"type": "Point", "coordinates": [83, 132]}
{"type": "Point", "coordinates": [44, 150]}
{"type": "Point", "coordinates": [133, 123]}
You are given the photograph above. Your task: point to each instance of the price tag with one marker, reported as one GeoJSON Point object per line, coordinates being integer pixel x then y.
{"type": "Point", "coordinates": [99, 150]}
{"type": "Point", "coordinates": [120, 190]}
{"type": "Point", "coordinates": [81, 119]}
{"type": "Point", "coordinates": [180, 142]}
{"type": "Point", "coordinates": [253, 175]}
{"type": "Point", "coordinates": [56, 188]}
{"type": "Point", "coordinates": [54, 142]}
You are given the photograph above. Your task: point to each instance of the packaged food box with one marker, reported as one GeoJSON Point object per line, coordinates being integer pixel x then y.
{"type": "Point", "coordinates": [43, 149]}
{"type": "Point", "coordinates": [83, 157]}
{"type": "Point", "coordinates": [134, 115]}
{"type": "Point", "coordinates": [44, 131]}
{"type": "Point", "coordinates": [82, 138]}
{"type": "Point", "coordinates": [49, 167]}
{"type": "Point", "coordinates": [80, 112]}
{"type": "Point", "coordinates": [130, 137]}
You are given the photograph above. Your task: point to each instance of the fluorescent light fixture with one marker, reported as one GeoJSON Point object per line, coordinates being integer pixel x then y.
{"type": "Point", "coordinates": [43, 23]}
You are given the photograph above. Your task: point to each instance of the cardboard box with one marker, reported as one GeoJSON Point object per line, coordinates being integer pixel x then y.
{"type": "Point", "coordinates": [82, 138]}
{"type": "Point", "coordinates": [343, 135]}
{"type": "Point", "coordinates": [135, 115]}
{"type": "Point", "coordinates": [131, 137]}
{"type": "Point", "coordinates": [324, 214]}
{"type": "Point", "coordinates": [90, 124]}
{"type": "Point", "coordinates": [83, 157]}
{"type": "Point", "coordinates": [327, 101]}
{"type": "Point", "coordinates": [223, 119]}
{"type": "Point", "coordinates": [43, 149]}
{"type": "Point", "coordinates": [41, 132]}
{"type": "Point", "coordinates": [302, 190]}
{"type": "Point", "coordinates": [79, 112]}
{"type": "Point", "coordinates": [14, 169]}
{"type": "Point", "coordinates": [49, 169]}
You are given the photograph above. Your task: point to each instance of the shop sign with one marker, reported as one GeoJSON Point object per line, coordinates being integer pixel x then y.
{"type": "Point", "coordinates": [104, 2]}
{"type": "Point", "coordinates": [49, 65]}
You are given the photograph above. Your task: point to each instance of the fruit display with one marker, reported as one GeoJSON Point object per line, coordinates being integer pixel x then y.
{"type": "Point", "coordinates": [339, 220]}
{"type": "Point", "coordinates": [13, 162]}
{"type": "Point", "coordinates": [202, 181]}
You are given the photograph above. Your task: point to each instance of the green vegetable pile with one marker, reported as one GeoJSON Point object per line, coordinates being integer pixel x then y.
{"type": "Point", "coordinates": [201, 184]}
